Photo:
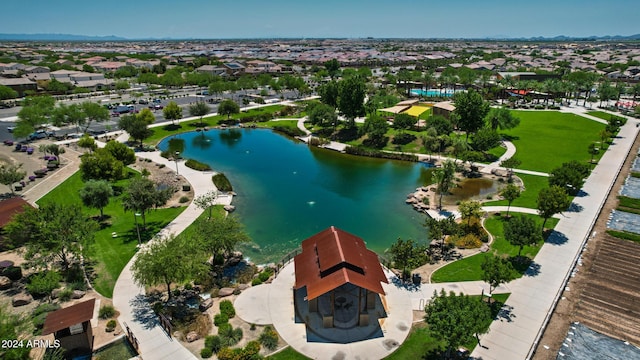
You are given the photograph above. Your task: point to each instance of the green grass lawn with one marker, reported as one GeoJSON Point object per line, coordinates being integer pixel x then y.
{"type": "Point", "coordinates": [285, 123]}
{"type": "Point", "coordinates": [529, 197]}
{"type": "Point", "coordinates": [111, 254]}
{"type": "Point", "coordinates": [287, 354]}
{"type": "Point", "coordinates": [497, 151]}
{"type": "Point", "coordinates": [600, 114]}
{"type": "Point", "coordinates": [468, 269]}
{"type": "Point", "coordinates": [546, 139]}
{"type": "Point", "coordinates": [161, 132]}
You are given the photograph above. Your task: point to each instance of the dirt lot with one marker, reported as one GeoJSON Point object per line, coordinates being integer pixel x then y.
{"type": "Point", "coordinates": [604, 294]}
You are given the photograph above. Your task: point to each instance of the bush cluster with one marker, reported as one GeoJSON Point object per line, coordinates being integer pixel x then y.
{"type": "Point", "coordinates": [357, 150]}
{"type": "Point", "coordinates": [42, 284]}
{"type": "Point", "coordinates": [227, 309]}
{"type": "Point", "coordinates": [269, 338]}
{"type": "Point", "coordinates": [197, 165]}
{"type": "Point", "coordinates": [221, 182]}
{"type": "Point", "coordinates": [106, 311]}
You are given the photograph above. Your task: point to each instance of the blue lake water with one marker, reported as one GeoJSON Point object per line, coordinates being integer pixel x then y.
{"type": "Point", "coordinates": [288, 191]}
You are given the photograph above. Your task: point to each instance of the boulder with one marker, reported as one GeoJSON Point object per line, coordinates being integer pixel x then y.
{"type": "Point", "coordinates": [206, 304]}
{"type": "Point", "coordinates": [55, 293]}
{"type": "Point", "coordinates": [77, 294]}
{"type": "Point", "coordinates": [225, 292]}
{"type": "Point", "coordinates": [192, 336]}
{"type": "Point", "coordinates": [243, 287]}
{"type": "Point", "coordinates": [21, 300]}
{"type": "Point", "coordinates": [229, 208]}
{"type": "Point", "coordinates": [5, 283]}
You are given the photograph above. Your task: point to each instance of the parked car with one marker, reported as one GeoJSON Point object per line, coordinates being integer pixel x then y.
{"type": "Point", "coordinates": [11, 128]}
{"type": "Point", "coordinates": [41, 134]}
{"type": "Point", "coordinates": [143, 102]}
{"type": "Point", "coordinates": [157, 101]}
{"type": "Point", "coordinates": [115, 114]}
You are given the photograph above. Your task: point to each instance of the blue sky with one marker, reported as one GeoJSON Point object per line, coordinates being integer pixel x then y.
{"type": "Point", "coordinates": [326, 18]}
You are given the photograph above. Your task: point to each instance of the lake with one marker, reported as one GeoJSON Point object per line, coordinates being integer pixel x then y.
{"type": "Point", "coordinates": [288, 191]}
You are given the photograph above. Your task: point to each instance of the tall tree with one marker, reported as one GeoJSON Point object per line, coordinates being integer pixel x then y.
{"type": "Point", "coordinates": [403, 122]}
{"type": "Point", "coordinates": [501, 118]}
{"type": "Point", "coordinates": [322, 114]}
{"type": "Point", "coordinates": [35, 112]}
{"type": "Point", "coordinates": [137, 126]}
{"type": "Point", "coordinates": [351, 92]}
{"type": "Point", "coordinates": [11, 174]}
{"type": "Point", "coordinates": [510, 164]}
{"type": "Point", "coordinates": [53, 231]}
{"type": "Point", "coordinates": [95, 194]}
{"type": "Point", "coordinates": [570, 176]}
{"type": "Point", "coordinates": [456, 319]}
{"type": "Point", "coordinates": [552, 200]}
{"type": "Point", "coordinates": [228, 107]}
{"type": "Point", "coordinates": [510, 193]}
{"type": "Point", "coordinates": [199, 109]}
{"type": "Point", "coordinates": [219, 235]}
{"type": "Point", "coordinates": [333, 68]}
{"type": "Point", "coordinates": [142, 195]}
{"type": "Point", "coordinates": [496, 271]}
{"type": "Point", "coordinates": [121, 152]}
{"type": "Point", "coordinates": [444, 178]}
{"type": "Point", "coordinates": [407, 254]}
{"type": "Point", "coordinates": [329, 93]}
{"type": "Point", "coordinates": [375, 127]}
{"type": "Point", "coordinates": [172, 112]}
{"type": "Point", "coordinates": [207, 201]}
{"type": "Point", "coordinates": [469, 209]}
{"type": "Point", "coordinates": [168, 260]}
{"type": "Point", "coordinates": [93, 112]}
{"type": "Point", "coordinates": [521, 231]}
{"type": "Point", "coordinates": [471, 109]}
{"type": "Point", "coordinates": [486, 139]}
{"type": "Point", "coordinates": [7, 93]}
{"type": "Point", "coordinates": [101, 165]}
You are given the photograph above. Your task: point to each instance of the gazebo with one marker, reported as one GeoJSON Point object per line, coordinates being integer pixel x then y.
{"type": "Point", "coordinates": [338, 280]}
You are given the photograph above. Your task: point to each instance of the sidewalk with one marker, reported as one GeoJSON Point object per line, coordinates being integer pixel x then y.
{"type": "Point", "coordinates": [533, 296]}
{"type": "Point", "coordinates": [129, 298]}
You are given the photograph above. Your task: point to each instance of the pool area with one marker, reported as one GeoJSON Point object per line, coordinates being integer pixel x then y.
{"type": "Point", "coordinates": [433, 92]}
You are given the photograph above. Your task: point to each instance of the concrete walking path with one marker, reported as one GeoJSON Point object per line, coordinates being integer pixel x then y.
{"type": "Point", "coordinates": [129, 297]}
{"type": "Point", "coordinates": [534, 295]}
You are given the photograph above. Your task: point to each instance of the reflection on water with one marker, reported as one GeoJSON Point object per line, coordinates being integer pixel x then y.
{"type": "Point", "coordinates": [202, 141]}
{"type": "Point", "coordinates": [176, 144]}
{"type": "Point", "coordinates": [230, 137]}
{"type": "Point", "coordinates": [471, 189]}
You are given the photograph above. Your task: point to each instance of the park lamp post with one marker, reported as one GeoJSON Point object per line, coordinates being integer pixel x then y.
{"type": "Point", "coordinates": [177, 156]}
{"type": "Point", "coordinates": [135, 216]}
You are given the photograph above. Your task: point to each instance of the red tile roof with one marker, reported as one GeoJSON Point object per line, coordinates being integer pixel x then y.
{"type": "Point", "coordinates": [72, 315]}
{"type": "Point", "coordinates": [334, 257]}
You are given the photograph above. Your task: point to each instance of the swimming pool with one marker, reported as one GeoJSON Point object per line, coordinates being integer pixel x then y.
{"type": "Point", "coordinates": [433, 92]}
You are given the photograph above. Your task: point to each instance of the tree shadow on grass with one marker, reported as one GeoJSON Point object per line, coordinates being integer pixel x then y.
{"type": "Point", "coordinates": [199, 124]}
{"type": "Point", "coordinates": [510, 137]}
{"type": "Point", "coordinates": [346, 134]}
{"type": "Point", "coordinates": [525, 266]}
{"type": "Point", "coordinates": [172, 127]}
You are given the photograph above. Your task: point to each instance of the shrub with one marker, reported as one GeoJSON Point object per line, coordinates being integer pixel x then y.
{"type": "Point", "coordinates": [220, 319]}
{"type": "Point", "coordinates": [221, 182]}
{"type": "Point", "coordinates": [65, 294]}
{"type": "Point", "coordinates": [183, 199]}
{"type": "Point", "coordinates": [264, 276]}
{"type": "Point", "coordinates": [256, 281]}
{"type": "Point", "coordinates": [469, 241]}
{"type": "Point", "coordinates": [223, 327]}
{"type": "Point", "coordinates": [213, 343]}
{"type": "Point", "coordinates": [40, 314]}
{"type": "Point", "coordinates": [227, 353]}
{"type": "Point", "coordinates": [402, 139]}
{"type": "Point", "coordinates": [251, 349]}
{"type": "Point", "coordinates": [206, 353]}
{"type": "Point", "coordinates": [357, 150]}
{"type": "Point", "coordinates": [106, 311]}
{"type": "Point", "coordinates": [226, 308]}
{"type": "Point", "coordinates": [230, 336]}
{"type": "Point", "coordinates": [42, 284]}
{"type": "Point", "coordinates": [111, 325]}
{"type": "Point", "coordinates": [161, 166]}
{"type": "Point", "coordinates": [197, 165]}
{"type": "Point", "coordinates": [269, 338]}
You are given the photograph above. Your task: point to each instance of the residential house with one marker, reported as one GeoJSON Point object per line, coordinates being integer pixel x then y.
{"type": "Point", "coordinates": [20, 85]}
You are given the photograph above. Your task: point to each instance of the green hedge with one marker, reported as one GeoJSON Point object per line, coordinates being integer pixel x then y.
{"type": "Point", "coordinates": [197, 165]}
{"type": "Point", "coordinates": [624, 235]}
{"type": "Point", "coordinates": [221, 182]}
{"type": "Point", "coordinates": [361, 151]}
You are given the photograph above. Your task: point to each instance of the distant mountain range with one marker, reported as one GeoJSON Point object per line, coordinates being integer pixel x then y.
{"type": "Point", "coordinates": [70, 37]}
{"type": "Point", "coordinates": [57, 37]}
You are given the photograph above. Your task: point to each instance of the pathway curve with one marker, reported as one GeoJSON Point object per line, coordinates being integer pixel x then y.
{"type": "Point", "coordinates": [534, 296]}
{"type": "Point", "coordinates": [129, 297]}
{"type": "Point", "coordinates": [511, 150]}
